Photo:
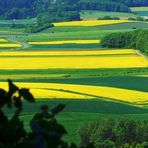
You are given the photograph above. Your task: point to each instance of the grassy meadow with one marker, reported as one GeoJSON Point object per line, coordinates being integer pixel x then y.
{"type": "Point", "coordinates": [66, 64]}
{"type": "Point", "coordinates": [92, 14]}
{"type": "Point", "coordinates": [141, 11]}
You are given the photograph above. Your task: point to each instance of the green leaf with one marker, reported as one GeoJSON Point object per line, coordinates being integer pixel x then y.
{"type": "Point", "coordinates": [17, 102]}
{"type": "Point", "coordinates": [57, 109]}
{"type": "Point", "coordinates": [2, 97]}
{"type": "Point", "coordinates": [24, 92]}
{"type": "Point", "coordinates": [12, 87]}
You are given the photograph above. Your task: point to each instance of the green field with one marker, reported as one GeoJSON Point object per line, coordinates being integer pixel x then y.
{"type": "Point", "coordinates": [87, 14]}
{"type": "Point", "coordinates": [131, 25]}
{"type": "Point", "coordinates": [19, 21]}
{"type": "Point", "coordinates": [141, 11]}
{"type": "Point", "coordinates": [73, 121]}
{"type": "Point", "coordinates": [78, 112]}
{"type": "Point", "coordinates": [71, 35]}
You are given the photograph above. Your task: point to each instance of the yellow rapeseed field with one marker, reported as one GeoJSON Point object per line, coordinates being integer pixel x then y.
{"type": "Point", "coordinates": [3, 40]}
{"type": "Point", "coordinates": [74, 62]}
{"type": "Point", "coordinates": [56, 94]}
{"type": "Point", "coordinates": [29, 76]}
{"type": "Point", "coordinates": [91, 22]}
{"type": "Point", "coordinates": [13, 45]}
{"type": "Point", "coordinates": [119, 94]}
{"type": "Point", "coordinates": [63, 53]}
{"type": "Point", "coordinates": [65, 42]}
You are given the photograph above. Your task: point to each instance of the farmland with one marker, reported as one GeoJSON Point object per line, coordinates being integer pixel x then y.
{"type": "Point", "coordinates": [90, 23]}
{"type": "Point", "coordinates": [67, 64]}
{"type": "Point", "coordinates": [89, 14]}
{"type": "Point", "coordinates": [54, 90]}
{"type": "Point", "coordinates": [141, 11]}
{"type": "Point", "coordinates": [4, 43]}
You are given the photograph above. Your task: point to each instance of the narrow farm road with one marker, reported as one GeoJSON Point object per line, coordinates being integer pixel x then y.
{"type": "Point", "coordinates": [13, 39]}
{"type": "Point", "coordinates": [141, 54]}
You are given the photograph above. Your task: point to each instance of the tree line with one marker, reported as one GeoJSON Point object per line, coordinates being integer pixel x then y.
{"type": "Point", "coordinates": [19, 9]}
{"type": "Point", "coordinates": [105, 5]}
{"type": "Point", "coordinates": [137, 39]}
{"type": "Point", "coordinates": [133, 3]}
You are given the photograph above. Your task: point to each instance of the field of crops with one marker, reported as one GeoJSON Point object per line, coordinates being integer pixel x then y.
{"type": "Point", "coordinates": [92, 14]}
{"type": "Point", "coordinates": [91, 22]}
{"type": "Point", "coordinates": [4, 43]}
{"type": "Point", "coordinates": [125, 58]}
{"type": "Point", "coordinates": [66, 64]}
{"type": "Point", "coordinates": [3, 40]}
{"type": "Point", "coordinates": [79, 61]}
{"type": "Point", "coordinates": [141, 11]}
{"type": "Point", "coordinates": [64, 53]}
{"type": "Point", "coordinates": [66, 42]}
{"type": "Point", "coordinates": [73, 91]}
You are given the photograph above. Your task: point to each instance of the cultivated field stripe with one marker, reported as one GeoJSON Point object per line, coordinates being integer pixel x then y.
{"type": "Point", "coordinates": [10, 45]}
{"type": "Point", "coordinates": [3, 40]}
{"type": "Point", "coordinates": [54, 53]}
{"type": "Point", "coordinates": [126, 95]}
{"type": "Point", "coordinates": [73, 62]}
{"type": "Point", "coordinates": [91, 22]}
{"type": "Point", "coordinates": [65, 42]}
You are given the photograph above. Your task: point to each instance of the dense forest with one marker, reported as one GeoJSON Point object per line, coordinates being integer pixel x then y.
{"type": "Point", "coordinates": [137, 39]}
{"type": "Point", "coordinates": [27, 9]}
{"type": "Point", "coordinates": [133, 3]}
{"type": "Point", "coordinates": [106, 5]}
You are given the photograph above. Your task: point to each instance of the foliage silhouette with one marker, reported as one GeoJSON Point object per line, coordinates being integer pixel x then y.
{"type": "Point", "coordinates": [46, 132]}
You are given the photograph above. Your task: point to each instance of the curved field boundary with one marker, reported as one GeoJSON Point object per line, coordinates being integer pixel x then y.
{"type": "Point", "coordinates": [125, 95]}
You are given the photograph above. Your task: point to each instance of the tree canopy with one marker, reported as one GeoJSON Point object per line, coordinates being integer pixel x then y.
{"type": "Point", "coordinates": [19, 9]}
{"type": "Point", "coordinates": [137, 39]}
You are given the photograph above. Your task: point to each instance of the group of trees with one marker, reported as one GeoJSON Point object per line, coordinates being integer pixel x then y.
{"type": "Point", "coordinates": [38, 28]}
{"type": "Point", "coordinates": [19, 9]}
{"type": "Point", "coordinates": [104, 5]}
{"type": "Point", "coordinates": [61, 10]}
{"type": "Point", "coordinates": [108, 18]}
{"type": "Point", "coordinates": [27, 9]}
{"type": "Point", "coordinates": [115, 134]}
{"type": "Point", "coordinates": [64, 11]}
{"type": "Point", "coordinates": [139, 18]}
{"type": "Point", "coordinates": [137, 39]}
{"type": "Point", "coordinates": [133, 3]}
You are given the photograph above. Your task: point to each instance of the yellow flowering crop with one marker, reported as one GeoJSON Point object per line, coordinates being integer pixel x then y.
{"type": "Point", "coordinates": [29, 76]}
{"type": "Point", "coordinates": [3, 40]}
{"type": "Point", "coordinates": [13, 45]}
{"type": "Point", "coordinates": [63, 53]}
{"type": "Point", "coordinates": [56, 94]}
{"type": "Point", "coordinates": [87, 91]}
{"type": "Point", "coordinates": [66, 42]}
{"type": "Point", "coordinates": [91, 22]}
{"type": "Point", "coordinates": [74, 62]}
